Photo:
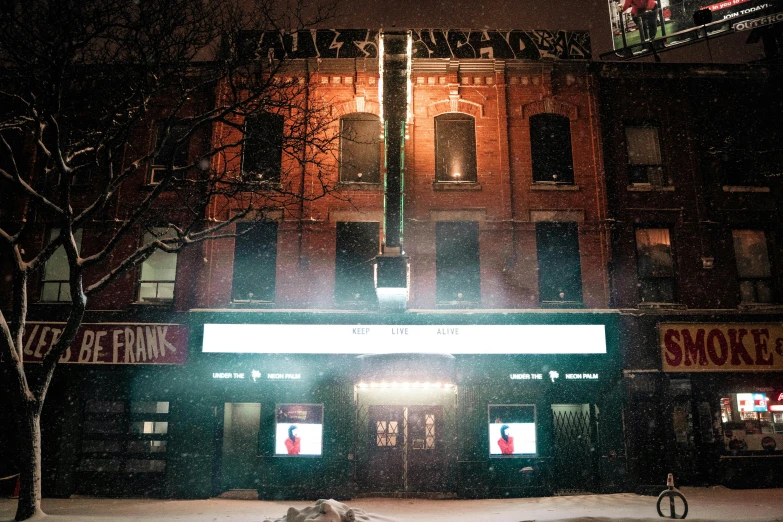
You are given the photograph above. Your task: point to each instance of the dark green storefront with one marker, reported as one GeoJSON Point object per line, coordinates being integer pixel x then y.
{"type": "Point", "coordinates": [399, 424]}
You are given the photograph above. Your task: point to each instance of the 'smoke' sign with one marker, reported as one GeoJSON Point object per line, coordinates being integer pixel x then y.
{"type": "Point", "coordinates": [107, 343]}
{"type": "Point", "coordinates": [721, 347]}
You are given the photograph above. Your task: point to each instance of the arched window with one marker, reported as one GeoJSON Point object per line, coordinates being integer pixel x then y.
{"type": "Point", "coordinates": [550, 146]}
{"type": "Point", "coordinates": [360, 148]}
{"type": "Point", "coordinates": [262, 153]}
{"type": "Point", "coordinates": [455, 148]}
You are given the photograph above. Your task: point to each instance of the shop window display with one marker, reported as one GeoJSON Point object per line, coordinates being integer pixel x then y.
{"type": "Point", "coordinates": [752, 422]}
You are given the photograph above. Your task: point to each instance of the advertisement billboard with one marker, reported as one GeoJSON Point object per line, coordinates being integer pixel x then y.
{"type": "Point", "coordinates": [671, 22]}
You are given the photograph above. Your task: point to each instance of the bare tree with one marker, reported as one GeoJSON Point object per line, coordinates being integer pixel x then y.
{"type": "Point", "coordinates": [97, 93]}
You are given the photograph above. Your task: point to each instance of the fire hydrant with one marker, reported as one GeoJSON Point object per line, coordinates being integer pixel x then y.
{"type": "Point", "coordinates": [671, 492]}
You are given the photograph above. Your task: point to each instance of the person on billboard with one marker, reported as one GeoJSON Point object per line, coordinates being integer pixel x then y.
{"type": "Point", "coordinates": [506, 441]}
{"type": "Point", "coordinates": [644, 14]}
{"type": "Point", "coordinates": [293, 443]}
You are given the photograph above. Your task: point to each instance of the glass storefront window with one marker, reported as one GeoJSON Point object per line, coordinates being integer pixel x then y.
{"type": "Point", "coordinates": [122, 436]}
{"type": "Point", "coordinates": [748, 424]}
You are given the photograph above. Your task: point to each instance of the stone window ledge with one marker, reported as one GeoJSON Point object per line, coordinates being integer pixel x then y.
{"type": "Point", "coordinates": [740, 188]}
{"type": "Point", "coordinates": [459, 186]}
{"type": "Point", "coordinates": [555, 186]}
{"type": "Point", "coordinates": [646, 187]}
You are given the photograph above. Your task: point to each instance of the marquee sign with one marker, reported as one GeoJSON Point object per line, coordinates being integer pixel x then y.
{"type": "Point", "coordinates": [111, 343]}
{"type": "Point", "coordinates": [386, 339]}
{"type": "Point", "coordinates": [721, 347]}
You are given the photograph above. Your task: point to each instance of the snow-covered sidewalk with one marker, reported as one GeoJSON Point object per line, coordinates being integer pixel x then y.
{"type": "Point", "coordinates": [706, 504]}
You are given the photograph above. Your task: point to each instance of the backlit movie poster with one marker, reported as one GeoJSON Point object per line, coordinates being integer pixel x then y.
{"type": "Point", "coordinates": [299, 429]}
{"type": "Point", "coordinates": [512, 430]}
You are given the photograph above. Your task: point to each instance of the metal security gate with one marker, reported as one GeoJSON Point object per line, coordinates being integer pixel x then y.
{"type": "Point", "coordinates": [574, 448]}
{"type": "Point", "coordinates": [401, 449]}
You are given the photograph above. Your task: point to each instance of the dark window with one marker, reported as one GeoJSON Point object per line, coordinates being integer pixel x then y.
{"type": "Point", "coordinates": [357, 247]}
{"type": "Point", "coordinates": [172, 150]}
{"type": "Point", "coordinates": [360, 149]}
{"type": "Point", "coordinates": [15, 140]}
{"type": "Point", "coordinates": [81, 140]}
{"type": "Point", "coordinates": [753, 266]}
{"type": "Point", "coordinates": [455, 148]}
{"type": "Point", "coordinates": [457, 265]}
{"type": "Point", "coordinates": [655, 265]}
{"type": "Point", "coordinates": [644, 155]}
{"type": "Point", "coordinates": [559, 267]}
{"type": "Point", "coordinates": [550, 145]}
{"type": "Point", "coordinates": [262, 153]}
{"type": "Point", "coordinates": [255, 262]}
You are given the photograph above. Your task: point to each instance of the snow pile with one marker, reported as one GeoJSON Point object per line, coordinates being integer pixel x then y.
{"type": "Point", "coordinates": [329, 511]}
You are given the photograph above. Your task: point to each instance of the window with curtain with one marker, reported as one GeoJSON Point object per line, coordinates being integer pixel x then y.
{"type": "Point", "coordinates": [754, 270]}
{"type": "Point", "coordinates": [55, 286]}
{"type": "Point", "coordinates": [645, 165]}
{"type": "Point", "coordinates": [455, 148]}
{"type": "Point", "coordinates": [550, 147]}
{"type": "Point", "coordinates": [655, 265]}
{"type": "Point", "coordinates": [360, 148]}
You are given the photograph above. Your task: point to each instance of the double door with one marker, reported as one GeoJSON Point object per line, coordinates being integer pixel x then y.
{"type": "Point", "coordinates": [404, 450]}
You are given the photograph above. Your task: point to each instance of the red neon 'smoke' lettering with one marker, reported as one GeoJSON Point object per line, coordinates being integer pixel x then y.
{"type": "Point", "coordinates": [688, 347]}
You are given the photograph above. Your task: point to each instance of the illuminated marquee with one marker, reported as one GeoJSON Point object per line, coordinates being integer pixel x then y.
{"type": "Point", "coordinates": [385, 339]}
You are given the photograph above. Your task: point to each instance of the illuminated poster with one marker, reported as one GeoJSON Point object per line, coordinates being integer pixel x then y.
{"type": "Point", "coordinates": [512, 430]}
{"type": "Point", "coordinates": [299, 429]}
{"type": "Point", "coordinates": [638, 21]}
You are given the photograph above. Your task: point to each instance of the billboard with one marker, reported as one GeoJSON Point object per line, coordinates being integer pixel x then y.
{"type": "Point", "coordinates": [670, 22]}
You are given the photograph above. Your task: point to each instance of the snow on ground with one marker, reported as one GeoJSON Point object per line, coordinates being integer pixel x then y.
{"type": "Point", "coordinates": [706, 504]}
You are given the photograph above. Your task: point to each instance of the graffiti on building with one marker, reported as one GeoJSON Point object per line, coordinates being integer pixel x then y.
{"type": "Point", "coordinates": [427, 43]}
